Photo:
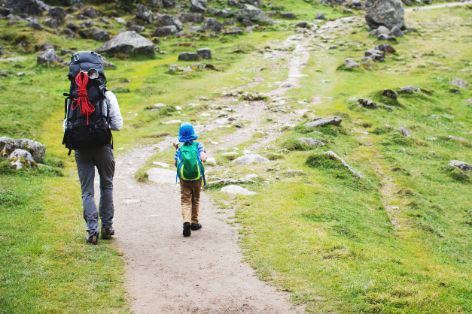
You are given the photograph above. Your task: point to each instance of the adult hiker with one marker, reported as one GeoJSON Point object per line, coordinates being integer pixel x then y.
{"type": "Point", "coordinates": [91, 112]}
{"type": "Point", "coordinates": [189, 158]}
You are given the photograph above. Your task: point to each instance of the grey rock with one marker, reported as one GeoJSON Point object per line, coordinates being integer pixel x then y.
{"type": "Point", "coordinates": [367, 103]}
{"type": "Point", "coordinates": [405, 132]}
{"type": "Point", "coordinates": [460, 165]}
{"type": "Point", "coordinates": [237, 190]}
{"type": "Point", "coordinates": [28, 7]}
{"type": "Point", "coordinates": [57, 13]}
{"type": "Point", "coordinates": [212, 24]}
{"type": "Point", "coordinates": [20, 159]}
{"type": "Point", "coordinates": [159, 175]}
{"type": "Point", "coordinates": [198, 5]}
{"type": "Point", "coordinates": [234, 31]}
{"type": "Point", "coordinates": [95, 34]}
{"type": "Point", "coordinates": [294, 173]}
{"type": "Point", "coordinates": [376, 55]}
{"type": "Point", "coordinates": [143, 13]}
{"type": "Point", "coordinates": [350, 64]}
{"type": "Point", "coordinates": [164, 31]}
{"type": "Point", "coordinates": [133, 27]}
{"type": "Point", "coordinates": [188, 56]}
{"type": "Point", "coordinates": [386, 48]}
{"type": "Point", "coordinates": [409, 90]}
{"type": "Point", "coordinates": [90, 12]}
{"type": "Point", "coordinates": [168, 20]}
{"type": "Point", "coordinates": [311, 142]}
{"type": "Point", "coordinates": [319, 122]}
{"type": "Point", "coordinates": [36, 149]}
{"type": "Point", "coordinates": [336, 157]}
{"type": "Point", "coordinates": [459, 83]}
{"type": "Point", "coordinates": [33, 23]}
{"type": "Point", "coordinates": [396, 31]}
{"type": "Point", "coordinates": [48, 57]}
{"type": "Point", "coordinates": [253, 14]}
{"type": "Point", "coordinates": [249, 159]}
{"type": "Point", "coordinates": [204, 53]}
{"type": "Point", "coordinates": [188, 17]}
{"type": "Point", "coordinates": [303, 25]}
{"type": "Point", "coordinates": [128, 43]}
{"type": "Point", "coordinates": [388, 13]}
{"type": "Point", "coordinates": [320, 16]}
{"type": "Point", "coordinates": [52, 23]}
{"type": "Point", "coordinates": [288, 15]}
{"type": "Point", "coordinates": [389, 93]}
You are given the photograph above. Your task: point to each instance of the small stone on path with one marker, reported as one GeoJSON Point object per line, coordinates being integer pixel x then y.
{"type": "Point", "coordinates": [237, 190]}
{"type": "Point", "coordinates": [250, 159]}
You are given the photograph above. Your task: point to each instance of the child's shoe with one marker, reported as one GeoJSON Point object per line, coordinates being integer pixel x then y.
{"type": "Point", "coordinates": [187, 229]}
{"type": "Point", "coordinates": [195, 226]}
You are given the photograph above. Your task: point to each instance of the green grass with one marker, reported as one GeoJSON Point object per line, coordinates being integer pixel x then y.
{"type": "Point", "coordinates": [327, 237]}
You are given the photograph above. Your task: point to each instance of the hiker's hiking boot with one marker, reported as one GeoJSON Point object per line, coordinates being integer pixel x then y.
{"type": "Point", "coordinates": [107, 233]}
{"type": "Point", "coordinates": [195, 226]}
{"type": "Point", "coordinates": [92, 238]}
{"type": "Point", "coordinates": [187, 229]}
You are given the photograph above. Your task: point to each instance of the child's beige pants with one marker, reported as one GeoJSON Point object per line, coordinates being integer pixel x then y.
{"type": "Point", "coordinates": [190, 200]}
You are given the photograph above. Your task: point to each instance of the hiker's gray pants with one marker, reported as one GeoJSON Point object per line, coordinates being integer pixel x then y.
{"type": "Point", "coordinates": [87, 160]}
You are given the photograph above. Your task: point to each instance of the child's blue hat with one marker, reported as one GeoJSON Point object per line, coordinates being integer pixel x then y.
{"type": "Point", "coordinates": [187, 133]}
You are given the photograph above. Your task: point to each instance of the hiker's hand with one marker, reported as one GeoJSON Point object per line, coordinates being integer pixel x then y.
{"type": "Point", "coordinates": [176, 145]}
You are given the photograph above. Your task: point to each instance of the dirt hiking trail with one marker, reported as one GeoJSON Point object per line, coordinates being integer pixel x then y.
{"type": "Point", "coordinates": [166, 273]}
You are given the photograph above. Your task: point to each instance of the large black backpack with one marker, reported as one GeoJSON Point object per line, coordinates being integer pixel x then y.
{"type": "Point", "coordinates": [87, 123]}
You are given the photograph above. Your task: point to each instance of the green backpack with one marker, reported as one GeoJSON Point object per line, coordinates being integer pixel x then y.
{"type": "Point", "coordinates": [189, 165]}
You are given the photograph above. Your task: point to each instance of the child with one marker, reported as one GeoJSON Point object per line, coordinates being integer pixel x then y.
{"type": "Point", "coordinates": [189, 159]}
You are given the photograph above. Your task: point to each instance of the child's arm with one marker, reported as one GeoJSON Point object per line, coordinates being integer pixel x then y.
{"type": "Point", "coordinates": [203, 156]}
{"type": "Point", "coordinates": [176, 145]}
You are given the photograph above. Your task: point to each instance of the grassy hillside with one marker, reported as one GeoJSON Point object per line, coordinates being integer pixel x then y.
{"type": "Point", "coordinates": [399, 239]}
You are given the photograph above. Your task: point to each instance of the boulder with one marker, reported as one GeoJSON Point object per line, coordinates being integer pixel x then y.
{"type": "Point", "coordinates": [95, 34]}
{"type": "Point", "coordinates": [188, 17]}
{"type": "Point", "coordinates": [336, 157]}
{"type": "Point", "coordinates": [374, 54]}
{"type": "Point", "coordinates": [188, 56]}
{"type": "Point", "coordinates": [134, 27]}
{"type": "Point", "coordinates": [37, 150]}
{"type": "Point", "coordinates": [319, 122]}
{"type": "Point", "coordinates": [20, 159]}
{"type": "Point", "coordinates": [28, 7]}
{"type": "Point", "coordinates": [165, 31]}
{"type": "Point", "coordinates": [389, 93]}
{"type": "Point", "coordinates": [350, 64]}
{"type": "Point", "coordinates": [57, 13]}
{"type": "Point", "coordinates": [311, 142]}
{"type": "Point", "coordinates": [33, 23]}
{"type": "Point", "coordinates": [249, 159]}
{"type": "Point", "coordinates": [48, 57]}
{"type": "Point", "coordinates": [52, 23]}
{"type": "Point", "coordinates": [204, 53]}
{"type": "Point", "coordinates": [90, 12]}
{"type": "Point", "coordinates": [459, 83]}
{"type": "Point", "coordinates": [252, 14]}
{"type": "Point", "coordinates": [367, 103]}
{"type": "Point", "coordinates": [386, 48]}
{"type": "Point", "coordinates": [212, 24]}
{"type": "Point", "coordinates": [128, 43]}
{"type": "Point", "coordinates": [198, 5]}
{"type": "Point", "coordinates": [168, 20]}
{"type": "Point", "coordinates": [460, 165]}
{"type": "Point", "coordinates": [143, 13]}
{"type": "Point", "coordinates": [389, 13]}
{"type": "Point", "coordinates": [409, 90]}
{"type": "Point", "coordinates": [237, 190]}
{"type": "Point", "coordinates": [288, 15]}
{"type": "Point", "coordinates": [405, 132]}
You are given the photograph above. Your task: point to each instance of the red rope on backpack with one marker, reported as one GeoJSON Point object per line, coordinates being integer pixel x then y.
{"type": "Point", "coordinates": [82, 101]}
